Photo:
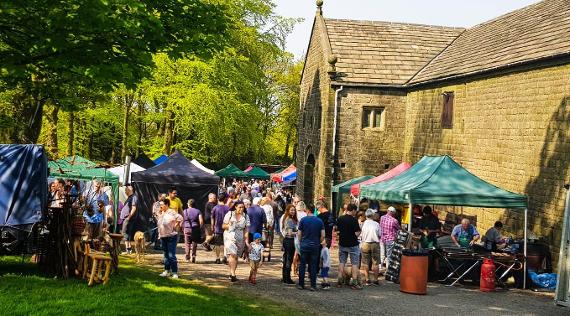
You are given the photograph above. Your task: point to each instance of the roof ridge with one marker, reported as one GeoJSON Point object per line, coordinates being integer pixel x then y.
{"type": "Point", "coordinates": [434, 58]}
{"type": "Point", "coordinates": [372, 22]}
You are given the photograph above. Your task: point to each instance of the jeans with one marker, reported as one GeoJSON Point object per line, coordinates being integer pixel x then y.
{"type": "Point", "coordinates": [352, 252]}
{"type": "Point", "coordinates": [169, 248]}
{"type": "Point", "coordinates": [310, 257]}
{"type": "Point", "coordinates": [288, 255]}
{"type": "Point", "coordinates": [389, 246]}
{"type": "Point", "coordinates": [153, 231]}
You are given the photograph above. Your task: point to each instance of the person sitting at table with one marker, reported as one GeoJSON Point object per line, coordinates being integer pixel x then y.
{"type": "Point", "coordinates": [493, 239]}
{"type": "Point", "coordinates": [464, 235]}
{"type": "Point", "coordinates": [430, 227]}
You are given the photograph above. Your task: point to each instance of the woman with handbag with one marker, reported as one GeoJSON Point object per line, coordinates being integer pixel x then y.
{"type": "Point", "coordinates": [235, 230]}
{"type": "Point", "coordinates": [193, 223]}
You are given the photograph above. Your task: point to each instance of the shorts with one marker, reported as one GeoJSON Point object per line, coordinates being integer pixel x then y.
{"type": "Point", "coordinates": [325, 272]}
{"type": "Point", "coordinates": [217, 240]}
{"type": "Point", "coordinates": [254, 264]}
{"type": "Point", "coordinates": [353, 252]}
{"type": "Point", "coordinates": [370, 254]}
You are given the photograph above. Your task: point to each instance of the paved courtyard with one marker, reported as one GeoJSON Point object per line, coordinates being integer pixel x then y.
{"type": "Point", "coordinates": [385, 299]}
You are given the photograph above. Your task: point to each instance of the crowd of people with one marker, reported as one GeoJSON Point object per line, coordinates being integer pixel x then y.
{"type": "Point", "coordinates": [240, 221]}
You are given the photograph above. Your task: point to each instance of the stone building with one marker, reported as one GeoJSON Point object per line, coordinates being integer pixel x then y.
{"type": "Point", "coordinates": [495, 97]}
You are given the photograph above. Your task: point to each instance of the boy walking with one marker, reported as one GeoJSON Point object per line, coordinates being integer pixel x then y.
{"type": "Point", "coordinates": [255, 254]}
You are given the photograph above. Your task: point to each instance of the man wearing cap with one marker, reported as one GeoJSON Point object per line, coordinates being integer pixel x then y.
{"type": "Point", "coordinates": [389, 228]}
{"type": "Point", "coordinates": [370, 247]}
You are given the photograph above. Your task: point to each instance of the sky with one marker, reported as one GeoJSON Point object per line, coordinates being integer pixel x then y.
{"type": "Point", "coordinates": [462, 13]}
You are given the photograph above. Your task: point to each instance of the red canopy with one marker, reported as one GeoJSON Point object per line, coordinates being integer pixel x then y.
{"type": "Point", "coordinates": [355, 188]}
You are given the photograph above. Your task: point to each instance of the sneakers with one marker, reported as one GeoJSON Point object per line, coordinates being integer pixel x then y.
{"type": "Point", "coordinates": [368, 283]}
{"type": "Point", "coordinates": [313, 289]}
{"type": "Point", "coordinates": [193, 259]}
{"type": "Point", "coordinates": [207, 246]}
{"type": "Point", "coordinates": [175, 276]}
{"type": "Point", "coordinates": [325, 286]}
{"type": "Point", "coordinates": [218, 261]}
{"type": "Point", "coordinates": [376, 282]}
{"type": "Point", "coordinates": [164, 274]}
{"type": "Point", "coordinates": [225, 260]}
{"type": "Point", "coordinates": [300, 287]}
{"type": "Point", "coordinates": [233, 278]}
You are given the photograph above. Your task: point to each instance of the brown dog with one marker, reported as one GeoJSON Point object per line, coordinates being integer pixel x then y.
{"type": "Point", "coordinates": [140, 244]}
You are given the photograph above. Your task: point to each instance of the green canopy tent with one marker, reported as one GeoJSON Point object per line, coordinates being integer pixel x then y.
{"type": "Point", "coordinates": [343, 188]}
{"type": "Point", "coordinates": [230, 171]}
{"type": "Point", "coordinates": [76, 161]}
{"type": "Point", "coordinates": [257, 173]}
{"type": "Point", "coordinates": [80, 172]}
{"type": "Point", "coordinates": [440, 180]}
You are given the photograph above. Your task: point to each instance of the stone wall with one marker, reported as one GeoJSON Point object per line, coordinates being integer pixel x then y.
{"type": "Point", "coordinates": [511, 130]}
{"type": "Point", "coordinates": [315, 124]}
{"type": "Point", "coordinates": [371, 151]}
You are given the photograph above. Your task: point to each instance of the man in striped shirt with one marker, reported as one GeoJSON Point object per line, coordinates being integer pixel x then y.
{"type": "Point", "coordinates": [389, 228]}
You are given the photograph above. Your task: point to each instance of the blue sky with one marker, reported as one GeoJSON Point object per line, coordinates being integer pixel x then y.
{"type": "Point", "coordinates": [464, 13]}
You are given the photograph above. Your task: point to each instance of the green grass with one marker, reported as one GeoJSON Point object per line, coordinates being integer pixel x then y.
{"type": "Point", "coordinates": [135, 291]}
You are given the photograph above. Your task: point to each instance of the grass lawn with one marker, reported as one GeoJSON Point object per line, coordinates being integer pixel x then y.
{"type": "Point", "coordinates": [135, 291]}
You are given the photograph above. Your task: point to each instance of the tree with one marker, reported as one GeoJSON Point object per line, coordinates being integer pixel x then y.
{"type": "Point", "coordinates": [49, 47]}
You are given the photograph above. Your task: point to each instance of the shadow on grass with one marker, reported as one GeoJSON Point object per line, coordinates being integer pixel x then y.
{"type": "Point", "coordinates": [134, 291]}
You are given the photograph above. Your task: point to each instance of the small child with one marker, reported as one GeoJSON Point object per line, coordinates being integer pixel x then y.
{"type": "Point", "coordinates": [255, 257]}
{"type": "Point", "coordinates": [325, 267]}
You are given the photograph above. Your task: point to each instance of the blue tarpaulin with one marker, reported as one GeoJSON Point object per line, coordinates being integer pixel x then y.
{"type": "Point", "coordinates": [160, 159]}
{"type": "Point", "coordinates": [23, 184]}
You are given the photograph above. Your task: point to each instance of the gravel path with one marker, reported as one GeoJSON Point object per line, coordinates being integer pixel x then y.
{"type": "Point", "coordinates": [385, 299]}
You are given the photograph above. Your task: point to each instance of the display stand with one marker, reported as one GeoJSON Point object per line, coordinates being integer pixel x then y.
{"type": "Point", "coordinates": [393, 270]}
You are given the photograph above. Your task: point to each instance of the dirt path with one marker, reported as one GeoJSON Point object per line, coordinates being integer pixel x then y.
{"type": "Point", "coordinates": [385, 299]}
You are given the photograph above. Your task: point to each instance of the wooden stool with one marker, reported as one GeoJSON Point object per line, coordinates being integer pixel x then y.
{"type": "Point", "coordinates": [97, 269]}
{"type": "Point", "coordinates": [115, 250]}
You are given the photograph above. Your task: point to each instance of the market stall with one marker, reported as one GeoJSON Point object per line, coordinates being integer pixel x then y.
{"type": "Point", "coordinates": [23, 197]}
{"type": "Point", "coordinates": [286, 175]}
{"type": "Point", "coordinates": [160, 159]}
{"type": "Point", "coordinates": [143, 161]}
{"type": "Point", "coordinates": [201, 166]}
{"type": "Point", "coordinates": [355, 188]}
{"type": "Point", "coordinates": [179, 172]}
{"type": "Point", "coordinates": [256, 173]}
{"type": "Point", "coordinates": [343, 189]}
{"type": "Point", "coordinates": [439, 180]}
{"type": "Point", "coordinates": [120, 171]}
{"type": "Point", "coordinates": [230, 171]}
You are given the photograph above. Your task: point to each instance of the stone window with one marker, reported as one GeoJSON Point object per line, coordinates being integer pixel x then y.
{"type": "Point", "coordinates": [447, 112]}
{"type": "Point", "coordinates": [373, 117]}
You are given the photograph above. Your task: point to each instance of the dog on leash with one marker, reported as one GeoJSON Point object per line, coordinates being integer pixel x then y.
{"type": "Point", "coordinates": [140, 245]}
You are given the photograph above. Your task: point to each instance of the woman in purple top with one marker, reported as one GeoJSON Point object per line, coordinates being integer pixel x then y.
{"type": "Point", "coordinates": [193, 223]}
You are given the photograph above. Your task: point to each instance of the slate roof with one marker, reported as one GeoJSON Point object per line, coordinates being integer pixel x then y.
{"type": "Point", "coordinates": [534, 32]}
{"type": "Point", "coordinates": [384, 52]}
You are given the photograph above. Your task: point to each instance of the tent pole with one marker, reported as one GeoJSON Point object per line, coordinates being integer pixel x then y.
{"type": "Point", "coordinates": [127, 169]}
{"type": "Point", "coordinates": [410, 213]}
{"type": "Point", "coordinates": [525, 245]}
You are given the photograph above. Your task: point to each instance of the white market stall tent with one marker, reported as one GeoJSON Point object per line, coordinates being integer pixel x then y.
{"type": "Point", "coordinates": [201, 166]}
{"type": "Point", "coordinates": [120, 171]}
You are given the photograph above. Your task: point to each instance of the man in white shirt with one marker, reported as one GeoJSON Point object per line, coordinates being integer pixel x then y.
{"type": "Point", "coordinates": [370, 247]}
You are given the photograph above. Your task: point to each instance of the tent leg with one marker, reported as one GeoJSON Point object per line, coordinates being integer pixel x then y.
{"type": "Point", "coordinates": [410, 210]}
{"type": "Point", "coordinates": [525, 245]}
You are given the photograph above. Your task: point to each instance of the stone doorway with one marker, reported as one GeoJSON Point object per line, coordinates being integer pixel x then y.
{"type": "Point", "coordinates": [309, 179]}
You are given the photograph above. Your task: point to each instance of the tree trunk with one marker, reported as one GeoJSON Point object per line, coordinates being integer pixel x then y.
{"type": "Point", "coordinates": [70, 133]}
{"type": "Point", "coordinates": [28, 119]}
{"type": "Point", "coordinates": [141, 127]}
{"type": "Point", "coordinates": [128, 98]}
{"type": "Point", "coordinates": [169, 132]}
{"type": "Point", "coordinates": [287, 141]}
{"type": "Point", "coordinates": [52, 119]}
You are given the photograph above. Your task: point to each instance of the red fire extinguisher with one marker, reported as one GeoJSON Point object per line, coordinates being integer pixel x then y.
{"type": "Point", "coordinates": [487, 281]}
